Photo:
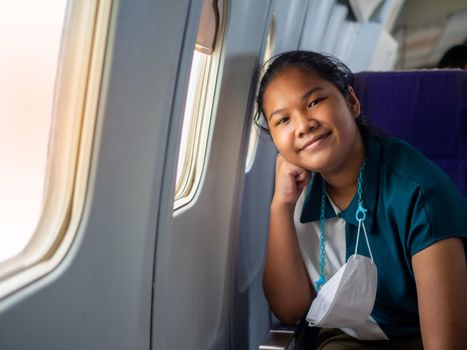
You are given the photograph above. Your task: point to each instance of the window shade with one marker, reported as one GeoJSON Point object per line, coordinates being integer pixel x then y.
{"type": "Point", "coordinates": [208, 27]}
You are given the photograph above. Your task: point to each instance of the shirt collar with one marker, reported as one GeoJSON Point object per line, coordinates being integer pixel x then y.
{"type": "Point", "coordinates": [311, 210]}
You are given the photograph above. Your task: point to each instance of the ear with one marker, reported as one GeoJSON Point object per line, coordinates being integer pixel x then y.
{"type": "Point", "coordinates": [354, 103]}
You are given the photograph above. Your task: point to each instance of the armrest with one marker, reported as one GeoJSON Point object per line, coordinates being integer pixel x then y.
{"type": "Point", "coordinates": [279, 338]}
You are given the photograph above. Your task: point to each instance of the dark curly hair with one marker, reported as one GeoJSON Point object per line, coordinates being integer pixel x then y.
{"type": "Point", "coordinates": [325, 66]}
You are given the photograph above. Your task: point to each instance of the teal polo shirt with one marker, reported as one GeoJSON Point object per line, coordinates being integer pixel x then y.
{"type": "Point", "coordinates": [411, 204]}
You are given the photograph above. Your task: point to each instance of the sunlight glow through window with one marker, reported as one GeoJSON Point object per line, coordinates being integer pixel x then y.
{"type": "Point", "coordinates": [30, 35]}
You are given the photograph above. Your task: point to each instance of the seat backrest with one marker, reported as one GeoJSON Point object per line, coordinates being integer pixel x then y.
{"type": "Point", "coordinates": [427, 108]}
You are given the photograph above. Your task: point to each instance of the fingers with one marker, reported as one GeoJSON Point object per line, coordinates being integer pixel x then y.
{"type": "Point", "coordinates": [302, 180]}
{"type": "Point", "coordinates": [285, 167]}
{"type": "Point", "coordinates": [290, 181]}
{"type": "Point", "coordinates": [302, 175]}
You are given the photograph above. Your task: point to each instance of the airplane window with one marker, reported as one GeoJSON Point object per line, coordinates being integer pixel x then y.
{"type": "Point", "coordinates": [197, 114]}
{"type": "Point", "coordinates": [186, 162]}
{"type": "Point", "coordinates": [26, 102]}
{"type": "Point", "coordinates": [254, 132]}
{"type": "Point", "coordinates": [51, 60]}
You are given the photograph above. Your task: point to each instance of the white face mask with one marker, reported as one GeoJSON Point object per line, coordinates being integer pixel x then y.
{"type": "Point", "coordinates": [347, 299]}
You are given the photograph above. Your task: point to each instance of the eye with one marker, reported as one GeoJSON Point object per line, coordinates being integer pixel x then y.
{"type": "Point", "coordinates": [282, 120]}
{"type": "Point", "coordinates": [315, 102]}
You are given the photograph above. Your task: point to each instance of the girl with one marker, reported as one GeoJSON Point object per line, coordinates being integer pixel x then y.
{"type": "Point", "coordinates": [378, 219]}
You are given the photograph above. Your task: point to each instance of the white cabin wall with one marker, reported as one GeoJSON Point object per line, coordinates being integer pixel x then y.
{"type": "Point", "coordinates": [315, 26]}
{"type": "Point", "coordinates": [331, 27]}
{"type": "Point", "coordinates": [100, 296]}
{"type": "Point", "coordinates": [252, 317]}
{"type": "Point", "coordinates": [195, 249]}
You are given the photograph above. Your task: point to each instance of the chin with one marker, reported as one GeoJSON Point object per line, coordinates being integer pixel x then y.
{"type": "Point", "coordinates": [318, 164]}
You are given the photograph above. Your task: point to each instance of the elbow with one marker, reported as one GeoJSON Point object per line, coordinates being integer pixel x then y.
{"type": "Point", "coordinates": [288, 311]}
{"type": "Point", "coordinates": [289, 305]}
{"type": "Point", "coordinates": [288, 318]}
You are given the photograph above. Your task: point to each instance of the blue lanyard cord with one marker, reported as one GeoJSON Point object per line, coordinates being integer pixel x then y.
{"type": "Point", "coordinates": [359, 215]}
{"type": "Point", "coordinates": [322, 239]}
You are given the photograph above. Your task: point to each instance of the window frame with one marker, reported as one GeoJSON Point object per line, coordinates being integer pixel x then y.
{"type": "Point", "coordinates": [266, 54]}
{"type": "Point", "coordinates": [195, 161]}
{"type": "Point", "coordinates": [75, 108]}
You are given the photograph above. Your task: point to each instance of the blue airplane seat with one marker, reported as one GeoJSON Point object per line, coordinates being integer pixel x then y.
{"type": "Point", "coordinates": [427, 108]}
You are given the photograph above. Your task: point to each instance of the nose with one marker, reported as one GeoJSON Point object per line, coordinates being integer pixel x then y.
{"type": "Point", "coordinates": [304, 124]}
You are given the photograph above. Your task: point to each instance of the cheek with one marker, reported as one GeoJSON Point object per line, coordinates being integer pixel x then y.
{"type": "Point", "coordinates": [349, 131]}
{"type": "Point", "coordinates": [276, 139]}
{"type": "Point", "coordinates": [345, 122]}
{"type": "Point", "coordinates": [282, 140]}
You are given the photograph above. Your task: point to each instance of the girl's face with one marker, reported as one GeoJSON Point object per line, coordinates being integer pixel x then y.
{"type": "Point", "coordinates": [311, 123]}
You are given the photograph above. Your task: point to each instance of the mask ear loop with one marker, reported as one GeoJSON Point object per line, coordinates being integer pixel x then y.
{"type": "Point", "coordinates": [360, 215]}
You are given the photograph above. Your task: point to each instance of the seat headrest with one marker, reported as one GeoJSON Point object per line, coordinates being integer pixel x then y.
{"type": "Point", "coordinates": [427, 108]}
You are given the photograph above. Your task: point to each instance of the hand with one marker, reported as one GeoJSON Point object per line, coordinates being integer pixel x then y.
{"type": "Point", "coordinates": [290, 181]}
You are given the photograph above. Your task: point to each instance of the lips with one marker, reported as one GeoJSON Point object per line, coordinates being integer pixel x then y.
{"type": "Point", "coordinates": [315, 140]}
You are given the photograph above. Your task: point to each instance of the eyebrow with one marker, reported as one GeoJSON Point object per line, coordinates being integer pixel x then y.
{"type": "Point", "coordinates": [311, 92]}
{"type": "Point", "coordinates": [304, 97]}
{"type": "Point", "coordinates": [279, 111]}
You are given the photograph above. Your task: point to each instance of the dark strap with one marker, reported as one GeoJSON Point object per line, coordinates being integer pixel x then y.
{"type": "Point", "coordinates": [305, 336]}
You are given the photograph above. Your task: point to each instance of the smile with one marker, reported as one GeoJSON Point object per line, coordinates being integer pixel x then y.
{"type": "Point", "coordinates": [315, 141]}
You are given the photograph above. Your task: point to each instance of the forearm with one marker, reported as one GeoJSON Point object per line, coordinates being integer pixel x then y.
{"type": "Point", "coordinates": [441, 277]}
{"type": "Point", "coordinates": [285, 279]}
